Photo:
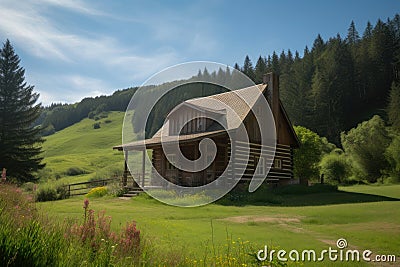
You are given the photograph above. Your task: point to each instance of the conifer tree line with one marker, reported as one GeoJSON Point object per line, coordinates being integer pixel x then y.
{"type": "Point", "coordinates": [339, 82]}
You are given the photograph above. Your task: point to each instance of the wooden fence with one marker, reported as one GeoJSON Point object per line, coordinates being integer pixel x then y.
{"type": "Point", "coordinates": [83, 188]}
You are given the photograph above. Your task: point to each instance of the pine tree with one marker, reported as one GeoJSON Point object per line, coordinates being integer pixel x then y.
{"type": "Point", "coordinates": [368, 31]}
{"type": "Point", "coordinates": [248, 68]}
{"type": "Point", "coordinates": [19, 141]}
{"type": "Point", "coordinates": [275, 67]}
{"type": "Point", "coordinates": [318, 45]}
{"type": "Point", "coordinates": [331, 83]}
{"type": "Point", "coordinates": [352, 34]}
{"type": "Point", "coordinates": [296, 56]}
{"type": "Point", "coordinates": [261, 69]}
{"type": "Point", "coordinates": [393, 109]}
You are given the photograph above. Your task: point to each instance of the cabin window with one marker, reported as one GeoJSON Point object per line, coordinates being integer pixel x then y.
{"type": "Point", "coordinates": [260, 163]}
{"type": "Point", "coordinates": [278, 164]}
{"type": "Point", "coordinates": [170, 163]}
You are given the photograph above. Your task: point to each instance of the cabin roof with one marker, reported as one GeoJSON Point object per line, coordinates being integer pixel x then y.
{"type": "Point", "coordinates": [156, 141]}
{"type": "Point", "coordinates": [235, 104]}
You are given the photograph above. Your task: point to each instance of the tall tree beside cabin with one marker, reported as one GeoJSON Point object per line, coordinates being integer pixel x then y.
{"type": "Point", "coordinates": [20, 141]}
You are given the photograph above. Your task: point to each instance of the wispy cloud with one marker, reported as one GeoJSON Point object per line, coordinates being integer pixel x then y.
{"type": "Point", "coordinates": [74, 5]}
{"type": "Point", "coordinates": [90, 60]}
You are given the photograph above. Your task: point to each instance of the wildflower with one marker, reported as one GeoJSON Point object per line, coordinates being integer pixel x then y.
{"type": "Point", "coordinates": [86, 204]}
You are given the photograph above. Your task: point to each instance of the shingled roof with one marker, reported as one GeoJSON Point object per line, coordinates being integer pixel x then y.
{"type": "Point", "coordinates": [235, 105]}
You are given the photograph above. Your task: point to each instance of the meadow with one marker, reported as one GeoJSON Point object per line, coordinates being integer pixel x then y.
{"type": "Point", "coordinates": [368, 217]}
{"type": "Point", "coordinates": [366, 221]}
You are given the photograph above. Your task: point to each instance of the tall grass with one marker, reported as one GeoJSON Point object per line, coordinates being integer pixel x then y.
{"type": "Point", "coordinates": [28, 238]}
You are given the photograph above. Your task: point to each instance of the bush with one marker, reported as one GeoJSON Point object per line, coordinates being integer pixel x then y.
{"type": "Point", "coordinates": [115, 189]}
{"type": "Point", "coordinates": [97, 192]}
{"type": "Point", "coordinates": [51, 193]}
{"type": "Point", "coordinates": [73, 171]}
{"type": "Point", "coordinates": [46, 194]}
{"type": "Point", "coordinates": [335, 168]}
{"type": "Point", "coordinates": [96, 125]}
{"type": "Point", "coordinates": [62, 192]}
{"type": "Point", "coordinates": [393, 155]}
{"type": "Point", "coordinates": [366, 145]}
{"type": "Point", "coordinates": [308, 155]}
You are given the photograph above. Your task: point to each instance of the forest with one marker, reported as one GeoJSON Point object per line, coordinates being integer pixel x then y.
{"type": "Point", "coordinates": [336, 84]}
{"type": "Point", "coordinates": [342, 92]}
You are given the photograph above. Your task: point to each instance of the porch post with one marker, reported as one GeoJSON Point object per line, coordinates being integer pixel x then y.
{"type": "Point", "coordinates": [143, 165]}
{"type": "Point", "coordinates": [125, 175]}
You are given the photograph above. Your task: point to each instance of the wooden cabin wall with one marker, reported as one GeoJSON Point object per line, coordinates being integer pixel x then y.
{"type": "Point", "coordinates": [282, 170]}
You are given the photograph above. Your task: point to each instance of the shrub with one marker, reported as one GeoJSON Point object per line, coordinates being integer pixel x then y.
{"type": "Point", "coordinates": [51, 193]}
{"type": "Point", "coordinates": [73, 171]}
{"type": "Point", "coordinates": [335, 168]}
{"type": "Point", "coordinates": [46, 194]}
{"type": "Point", "coordinates": [307, 157]}
{"type": "Point", "coordinates": [96, 125]}
{"type": "Point", "coordinates": [97, 192]}
{"type": "Point", "coordinates": [115, 189]}
{"type": "Point", "coordinates": [393, 155]}
{"type": "Point", "coordinates": [366, 145]}
{"type": "Point", "coordinates": [62, 192]}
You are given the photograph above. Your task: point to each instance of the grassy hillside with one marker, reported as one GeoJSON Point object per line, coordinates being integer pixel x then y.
{"type": "Point", "coordinates": [82, 148]}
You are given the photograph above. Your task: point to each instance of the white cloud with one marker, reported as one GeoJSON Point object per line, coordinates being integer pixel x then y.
{"type": "Point", "coordinates": [74, 5]}
{"type": "Point", "coordinates": [37, 34]}
{"type": "Point", "coordinates": [65, 88]}
{"type": "Point", "coordinates": [86, 63]}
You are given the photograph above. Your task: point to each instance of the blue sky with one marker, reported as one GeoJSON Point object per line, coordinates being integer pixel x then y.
{"type": "Point", "coordinates": [74, 49]}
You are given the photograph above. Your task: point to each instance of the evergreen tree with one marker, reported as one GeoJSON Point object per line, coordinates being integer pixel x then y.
{"type": "Point", "coordinates": [248, 68]}
{"type": "Point", "coordinates": [318, 45]}
{"type": "Point", "coordinates": [290, 59]}
{"type": "Point", "coordinates": [352, 34]}
{"type": "Point", "coordinates": [393, 109]}
{"type": "Point", "coordinates": [331, 79]}
{"type": "Point", "coordinates": [261, 69]}
{"type": "Point", "coordinates": [275, 67]}
{"type": "Point", "coordinates": [368, 31]}
{"type": "Point", "coordinates": [296, 56]}
{"type": "Point", "coordinates": [19, 139]}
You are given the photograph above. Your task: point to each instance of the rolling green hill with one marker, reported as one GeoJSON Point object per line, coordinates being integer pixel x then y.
{"type": "Point", "coordinates": [80, 152]}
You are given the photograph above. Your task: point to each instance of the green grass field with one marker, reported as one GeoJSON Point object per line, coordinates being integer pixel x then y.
{"type": "Point", "coordinates": [368, 217]}
{"type": "Point", "coordinates": [81, 146]}
{"type": "Point", "coordinates": [366, 221]}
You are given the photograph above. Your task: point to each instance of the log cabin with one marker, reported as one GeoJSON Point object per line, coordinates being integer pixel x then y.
{"type": "Point", "coordinates": [179, 127]}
